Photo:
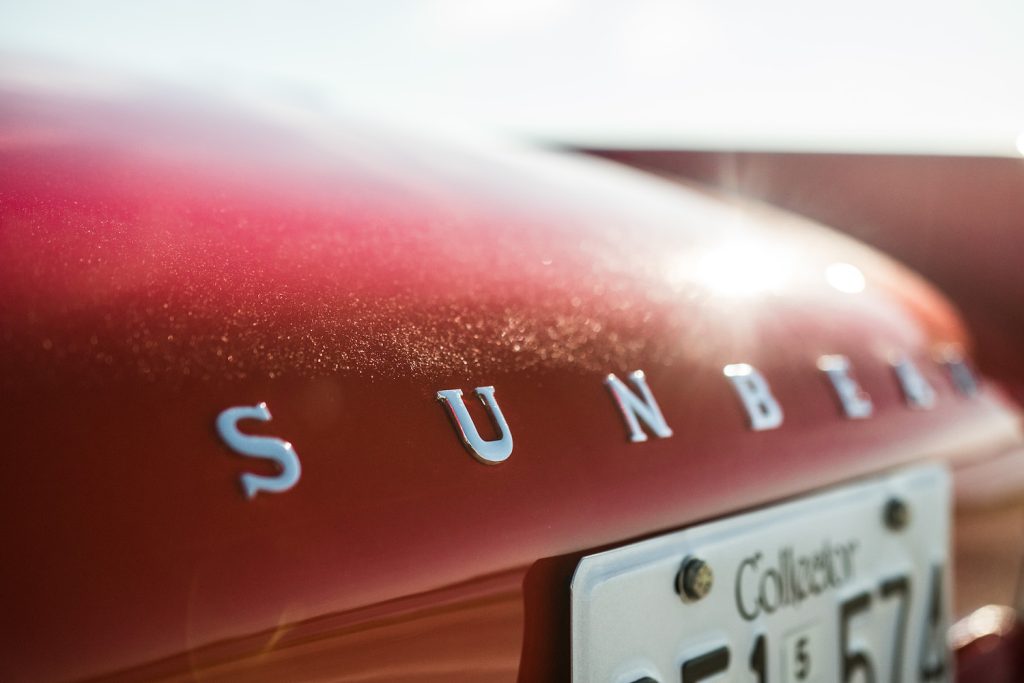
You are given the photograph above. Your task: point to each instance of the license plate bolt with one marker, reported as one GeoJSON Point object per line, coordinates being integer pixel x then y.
{"type": "Point", "coordinates": [694, 579]}
{"type": "Point", "coordinates": [896, 514]}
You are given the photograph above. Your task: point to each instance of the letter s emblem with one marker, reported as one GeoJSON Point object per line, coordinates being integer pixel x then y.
{"type": "Point", "coordinates": [281, 452]}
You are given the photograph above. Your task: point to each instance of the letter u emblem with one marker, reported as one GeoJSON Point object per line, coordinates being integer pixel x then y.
{"type": "Point", "coordinates": [488, 452]}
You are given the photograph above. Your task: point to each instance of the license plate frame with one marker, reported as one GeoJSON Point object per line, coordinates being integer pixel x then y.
{"type": "Point", "coordinates": [885, 606]}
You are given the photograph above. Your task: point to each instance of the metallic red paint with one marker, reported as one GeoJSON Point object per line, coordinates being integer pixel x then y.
{"type": "Point", "coordinates": [162, 260]}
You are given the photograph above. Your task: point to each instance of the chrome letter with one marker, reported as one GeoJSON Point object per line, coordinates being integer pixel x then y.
{"type": "Point", "coordinates": [633, 406]}
{"type": "Point", "coordinates": [489, 452]}
{"type": "Point", "coordinates": [856, 404]}
{"type": "Point", "coordinates": [916, 390]}
{"type": "Point", "coordinates": [281, 452]}
{"type": "Point", "coordinates": [762, 408]}
{"type": "Point", "coordinates": [963, 378]}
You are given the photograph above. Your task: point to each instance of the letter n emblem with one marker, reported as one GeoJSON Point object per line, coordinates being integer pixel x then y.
{"type": "Point", "coordinates": [638, 408]}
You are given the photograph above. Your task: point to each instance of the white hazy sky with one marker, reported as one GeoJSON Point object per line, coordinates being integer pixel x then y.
{"type": "Point", "coordinates": [881, 75]}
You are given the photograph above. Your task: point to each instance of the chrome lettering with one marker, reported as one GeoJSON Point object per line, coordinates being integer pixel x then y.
{"type": "Point", "coordinates": [960, 372]}
{"type": "Point", "coordinates": [762, 409]}
{"type": "Point", "coordinates": [855, 402]}
{"type": "Point", "coordinates": [270, 448]}
{"type": "Point", "coordinates": [916, 389]}
{"type": "Point", "coordinates": [636, 408]}
{"type": "Point", "coordinates": [488, 452]}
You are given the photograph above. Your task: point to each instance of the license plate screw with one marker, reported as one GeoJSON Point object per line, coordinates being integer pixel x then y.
{"type": "Point", "coordinates": [695, 579]}
{"type": "Point", "coordinates": [896, 514]}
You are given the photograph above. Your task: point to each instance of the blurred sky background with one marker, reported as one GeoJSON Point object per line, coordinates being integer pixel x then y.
{"type": "Point", "coordinates": [872, 75]}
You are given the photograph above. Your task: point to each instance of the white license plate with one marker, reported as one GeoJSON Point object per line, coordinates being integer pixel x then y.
{"type": "Point", "coordinates": [839, 586]}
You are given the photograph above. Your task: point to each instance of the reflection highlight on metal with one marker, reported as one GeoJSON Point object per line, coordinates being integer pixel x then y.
{"type": "Point", "coordinates": [267, 447]}
{"type": "Point", "coordinates": [916, 389]}
{"type": "Point", "coordinates": [855, 402]}
{"type": "Point", "coordinates": [638, 408]}
{"type": "Point", "coordinates": [488, 452]}
{"type": "Point", "coordinates": [762, 408]}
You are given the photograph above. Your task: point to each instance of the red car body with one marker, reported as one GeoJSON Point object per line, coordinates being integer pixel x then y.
{"type": "Point", "coordinates": [955, 220]}
{"type": "Point", "coordinates": [164, 258]}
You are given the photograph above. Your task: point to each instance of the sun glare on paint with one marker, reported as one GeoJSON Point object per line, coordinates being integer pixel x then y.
{"type": "Point", "coordinates": [743, 269]}
{"type": "Point", "coordinates": [845, 277]}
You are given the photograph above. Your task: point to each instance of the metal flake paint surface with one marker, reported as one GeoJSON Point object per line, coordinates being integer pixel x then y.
{"type": "Point", "coordinates": [162, 261]}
